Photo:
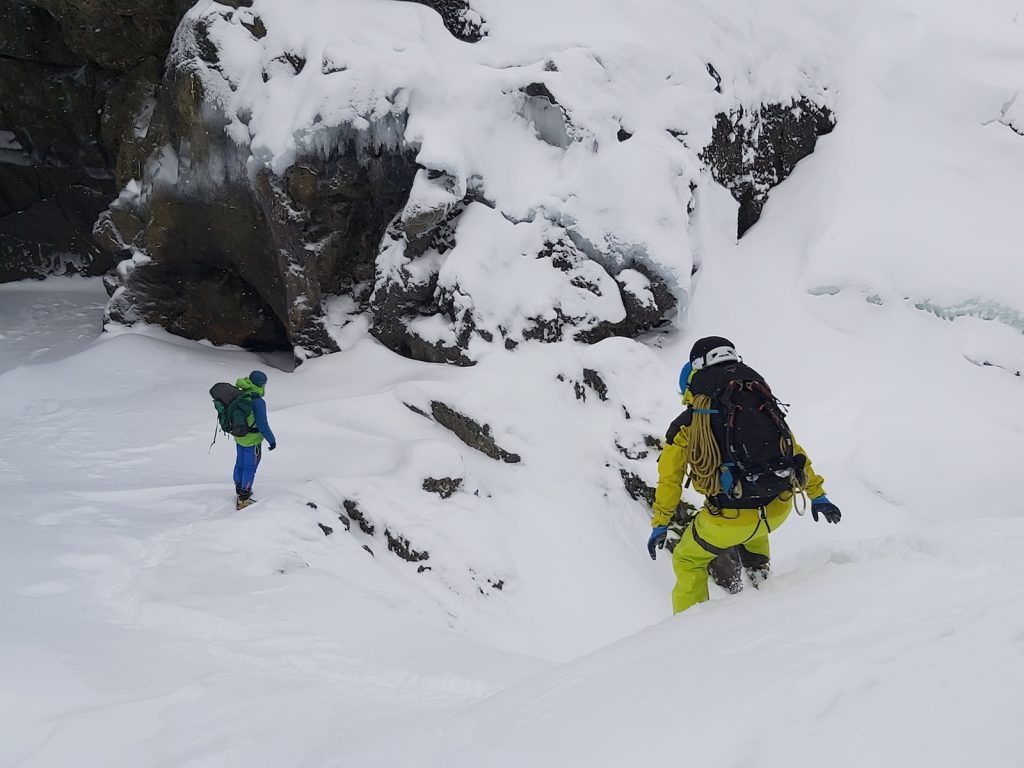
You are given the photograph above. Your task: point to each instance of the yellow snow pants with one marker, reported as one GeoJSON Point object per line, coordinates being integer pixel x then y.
{"type": "Point", "coordinates": [721, 530]}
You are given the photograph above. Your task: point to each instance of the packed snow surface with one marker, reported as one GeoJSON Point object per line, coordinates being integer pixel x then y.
{"type": "Point", "coordinates": [145, 622]}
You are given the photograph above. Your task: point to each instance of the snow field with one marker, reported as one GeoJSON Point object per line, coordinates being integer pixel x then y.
{"type": "Point", "coordinates": [128, 566]}
{"type": "Point", "coordinates": [146, 623]}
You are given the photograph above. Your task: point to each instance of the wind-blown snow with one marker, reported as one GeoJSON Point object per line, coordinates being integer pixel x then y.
{"type": "Point", "coordinates": [146, 623]}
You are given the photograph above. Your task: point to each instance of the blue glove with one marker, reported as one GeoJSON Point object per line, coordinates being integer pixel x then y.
{"type": "Point", "coordinates": [272, 446]}
{"type": "Point", "coordinates": [657, 540]}
{"type": "Point", "coordinates": [822, 506]}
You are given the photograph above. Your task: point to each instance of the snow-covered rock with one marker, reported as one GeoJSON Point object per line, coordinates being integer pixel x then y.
{"type": "Point", "coordinates": [535, 184]}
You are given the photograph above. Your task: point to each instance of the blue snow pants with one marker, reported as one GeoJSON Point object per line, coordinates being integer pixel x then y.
{"type": "Point", "coordinates": [247, 459]}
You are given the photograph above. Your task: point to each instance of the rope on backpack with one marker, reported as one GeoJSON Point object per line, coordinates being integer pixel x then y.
{"type": "Point", "coordinates": [703, 457]}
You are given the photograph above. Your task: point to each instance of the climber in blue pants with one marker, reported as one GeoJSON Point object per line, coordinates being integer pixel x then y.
{"type": "Point", "coordinates": [248, 448]}
{"type": "Point", "coordinates": [247, 461]}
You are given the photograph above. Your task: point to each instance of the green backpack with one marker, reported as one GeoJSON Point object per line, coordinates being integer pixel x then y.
{"type": "Point", "coordinates": [233, 409]}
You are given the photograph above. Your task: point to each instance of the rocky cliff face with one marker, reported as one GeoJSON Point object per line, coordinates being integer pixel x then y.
{"type": "Point", "coordinates": [276, 164]}
{"type": "Point", "coordinates": [238, 254]}
{"type": "Point", "coordinates": [76, 78]}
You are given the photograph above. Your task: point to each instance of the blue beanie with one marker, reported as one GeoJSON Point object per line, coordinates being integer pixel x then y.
{"type": "Point", "coordinates": [259, 378]}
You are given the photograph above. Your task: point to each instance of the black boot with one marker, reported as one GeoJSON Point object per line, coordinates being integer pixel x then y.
{"type": "Point", "coordinates": [244, 499]}
{"type": "Point", "coordinates": [758, 575]}
{"type": "Point", "coordinates": [757, 566]}
{"type": "Point", "coordinates": [724, 570]}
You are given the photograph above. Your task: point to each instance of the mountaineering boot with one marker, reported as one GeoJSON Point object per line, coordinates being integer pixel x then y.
{"type": "Point", "coordinates": [244, 499]}
{"type": "Point", "coordinates": [758, 575]}
{"type": "Point", "coordinates": [724, 570]}
{"type": "Point", "coordinates": [757, 566]}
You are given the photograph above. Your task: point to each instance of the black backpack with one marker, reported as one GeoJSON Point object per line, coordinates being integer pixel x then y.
{"type": "Point", "coordinates": [233, 409]}
{"type": "Point", "coordinates": [749, 426]}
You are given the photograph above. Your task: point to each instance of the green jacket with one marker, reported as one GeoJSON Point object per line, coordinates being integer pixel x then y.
{"type": "Point", "coordinates": [258, 417]}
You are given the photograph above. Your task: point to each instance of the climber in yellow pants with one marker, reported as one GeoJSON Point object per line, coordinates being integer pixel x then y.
{"type": "Point", "coordinates": [727, 520]}
{"type": "Point", "coordinates": [709, 535]}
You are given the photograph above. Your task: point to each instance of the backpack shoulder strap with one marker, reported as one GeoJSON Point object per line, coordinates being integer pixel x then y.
{"type": "Point", "coordinates": [684, 419]}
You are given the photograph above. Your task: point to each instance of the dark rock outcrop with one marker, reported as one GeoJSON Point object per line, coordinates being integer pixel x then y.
{"type": "Point", "coordinates": [46, 218]}
{"type": "Point", "coordinates": [407, 293]}
{"type": "Point", "coordinates": [486, 585]}
{"type": "Point", "coordinates": [592, 380]}
{"type": "Point", "coordinates": [631, 452]}
{"type": "Point", "coordinates": [640, 490]}
{"type": "Point", "coordinates": [458, 18]}
{"type": "Point", "coordinates": [401, 296]}
{"type": "Point", "coordinates": [445, 487]}
{"type": "Point", "coordinates": [636, 487]}
{"type": "Point", "coordinates": [355, 513]}
{"type": "Point", "coordinates": [751, 152]}
{"type": "Point", "coordinates": [72, 91]}
{"type": "Point", "coordinates": [397, 543]}
{"type": "Point", "coordinates": [401, 547]}
{"type": "Point", "coordinates": [471, 432]}
{"type": "Point", "coordinates": [644, 296]}
{"type": "Point", "coordinates": [241, 257]}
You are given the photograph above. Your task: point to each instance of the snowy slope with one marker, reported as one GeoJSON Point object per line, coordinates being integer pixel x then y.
{"type": "Point", "coordinates": [894, 651]}
{"type": "Point", "coordinates": [146, 623]}
{"type": "Point", "coordinates": [154, 607]}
